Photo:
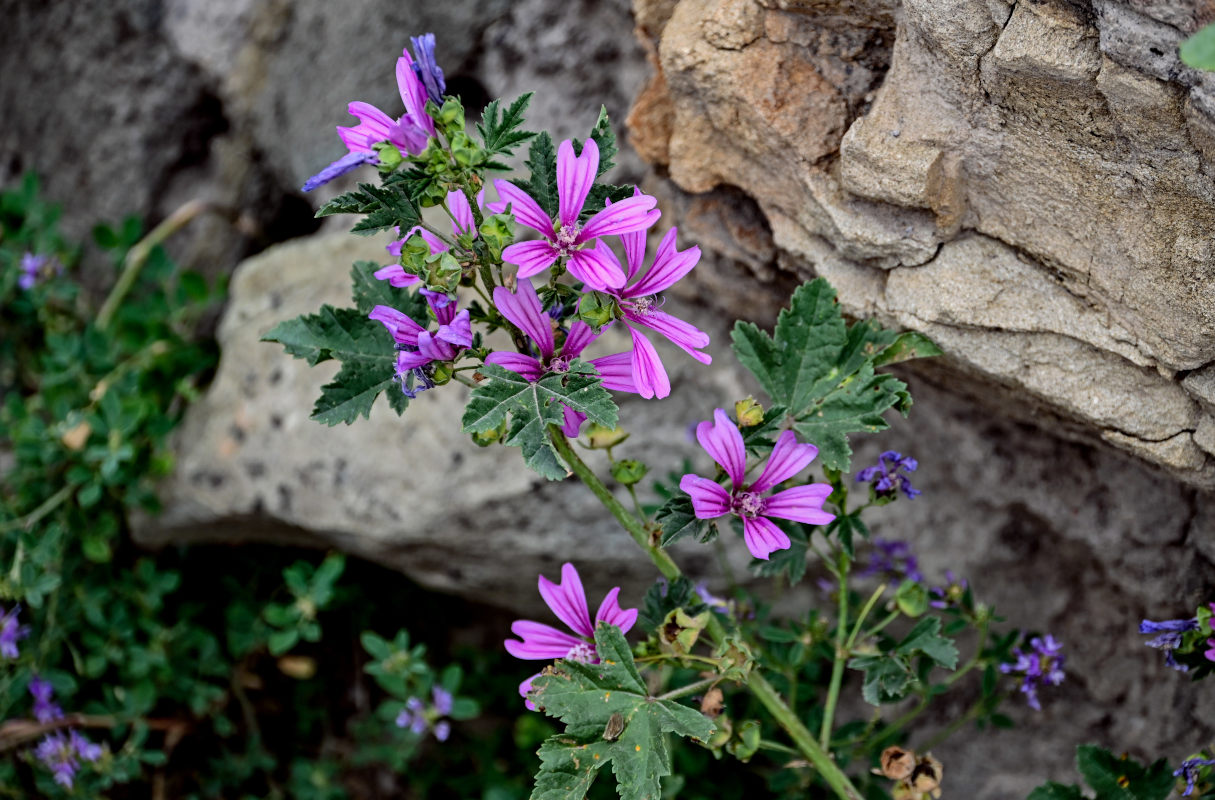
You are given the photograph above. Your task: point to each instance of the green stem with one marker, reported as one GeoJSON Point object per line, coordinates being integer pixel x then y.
{"type": "Point", "coordinates": [759, 686]}
{"type": "Point", "coordinates": [768, 744]}
{"type": "Point", "coordinates": [32, 518]}
{"type": "Point", "coordinates": [137, 256]}
{"type": "Point", "coordinates": [841, 656]}
{"type": "Point", "coordinates": [691, 688]}
{"type": "Point", "coordinates": [856, 630]}
{"type": "Point", "coordinates": [954, 726]}
{"type": "Point", "coordinates": [889, 618]}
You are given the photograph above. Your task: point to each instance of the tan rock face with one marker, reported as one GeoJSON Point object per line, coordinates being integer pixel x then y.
{"type": "Point", "coordinates": [1027, 183]}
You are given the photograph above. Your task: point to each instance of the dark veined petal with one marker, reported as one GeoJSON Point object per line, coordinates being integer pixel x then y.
{"type": "Point", "coordinates": [763, 537]}
{"type": "Point", "coordinates": [575, 175]}
{"type": "Point", "coordinates": [801, 504]}
{"type": "Point", "coordinates": [531, 258]}
{"type": "Point", "coordinates": [631, 214]}
{"type": "Point", "coordinates": [523, 309]}
{"type": "Point", "coordinates": [648, 372]}
{"type": "Point", "coordinates": [788, 458]}
{"type": "Point", "coordinates": [402, 327]}
{"type": "Point", "coordinates": [568, 600]}
{"type": "Point", "coordinates": [634, 245]}
{"type": "Point", "coordinates": [518, 363]}
{"type": "Point", "coordinates": [611, 612]}
{"type": "Point", "coordinates": [413, 93]}
{"type": "Point", "coordinates": [723, 442]}
{"type": "Point", "coordinates": [577, 339]}
{"type": "Point", "coordinates": [463, 220]}
{"type": "Point", "coordinates": [525, 209]}
{"type": "Point", "coordinates": [540, 641]}
{"type": "Point", "coordinates": [616, 371]}
{"type": "Point", "coordinates": [709, 500]}
{"type": "Point", "coordinates": [669, 266]}
{"type": "Point", "coordinates": [396, 276]}
{"type": "Point", "coordinates": [684, 335]}
{"type": "Point", "coordinates": [596, 269]}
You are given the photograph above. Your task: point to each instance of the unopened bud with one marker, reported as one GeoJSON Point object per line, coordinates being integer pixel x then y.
{"type": "Point", "coordinates": [441, 373]}
{"type": "Point", "coordinates": [596, 309]}
{"type": "Point", "coordinates": [629, 471]}
{"type": "Point", "coordinates": [749, 412]}
{"type": "Point", "coordinates": [389, 156]}
{"type": "Point", "coordinates": [603, 438]}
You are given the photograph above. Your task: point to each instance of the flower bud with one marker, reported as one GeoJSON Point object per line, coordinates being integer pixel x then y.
{"type": "Point", "coordinates": [389, 156]}
{"type": "Point", "coordinates": [603, 438]}
{"type": "Point", "coordinates": [911, 598]}
{"type": "Point", "coordinates": [596, 309]}
{"type": "Point", "coordinates": [748, 412]}
{"type": "Point", "coordinates": [442, 372]}
{"type": "Point", "coordinates": [451, 115]}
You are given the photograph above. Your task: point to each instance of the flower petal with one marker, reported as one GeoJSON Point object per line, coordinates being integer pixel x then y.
{"type": "Point", "coordinates": [540, 641]}
{"type": "Point", "coordinates": [568, 600]}
{"type": "Point", "coordinates": [788, 458]}
{"type": "Point", "coordinates": [724, 444]}
{"type": "Point", "coordinates": [597, 268]}
{"type": "Point", "coordinates": [577, 339]}
{"type": "Point", "coordinates": [413, 93]}
{"type": "Point", "coordinates": [634, 245]}
{"type": "Point", "coordinates": [523, 309]}
{"type": "Point", "coordinates": [648, 372]}
{"type": "Point", "coordinates": [526, 687]}
{"type": "Point", "coordinates": [571, 420]}
{"type": "Point", "coordinates": [763, 537]}
{"type": "Point", "coordinates": [525, 209]}
{"type": "Point", "coordinates": [669, 266]}
{"type": "Point", "coordinates": [409, 359]}
{"type": "Point", "coordinates": [617, 372]}
{"type": "Point", "coordinates": [373, 122]}
{"type": "Point", "coordinates": [531, 258]}
{"type": "Point", "coordinates": [518, 363]}
{"type": "Point", "coordinates": [801, 504]}
{"type": "Point", "coordinates": [684, 335]}
{"type": "Point", "coordinates": [402, 327]}
{"type": "Point", "coordinates": [461, 211]}
{"type": "Point", "coordinates": [458, 331]}
{"type": "Point", "coordinates": [574, 178]}
{"type": "Point", "coordinates": [396, 276]}
{"type": "Point", "coordinates": [631, 214]}
{"type": "Point", "coordinates": [611, 612]}
{"type": "Point", "coordinates": [709, 500]}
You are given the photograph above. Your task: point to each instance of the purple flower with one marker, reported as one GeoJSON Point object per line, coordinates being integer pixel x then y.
{"type": "Point", "coordinates": [44, 709]}
{"type": "Point", "coordinates": [640, 304]}
{"type": "Point", "coordinates": [1209, 655]}
{"type": "Point", "coordinates": [1041, 665]}
{"type": "Point", "coordinates": [1170, 631]}
{"type": "Point", "coordinates": [31, 266]}
{"type": "Point", "coordinates": [951, 593]}
{"type": "Point", "coordinates": [418, 717]}
{"type": "Point", "coordinates": [567, 599]}
{"type": "Point", "coordinates": [62, 754]}
{"type": "Point", "coordinates": [425, 69]}
{"type": "Point", "coordinates": [1189, 771]}
{"type": "Point", "coordinates": [724, 443]}
{"type": "Point", "coordinates": [417, 347]}
{"type": "Point", "coordinates": [565, 237]}
{"type": "Point", "coordinates": [525, 312]}
{"type": "Point", "coordinates": [886, 475]}
{"type": "Point", "coordinates": [711, 600]}
{"type": "Point", "coordinates": [413, 716]}
{"type": "Point", "coordinates": [893, 560]}
{"type": "Point", "coordinates": [410, 133]}
{"type": "Point", "coordinates": [11, 632]}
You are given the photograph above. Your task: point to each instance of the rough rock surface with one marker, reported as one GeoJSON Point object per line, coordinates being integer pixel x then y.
{"type": "Point", "coordinates": [1027, 183]}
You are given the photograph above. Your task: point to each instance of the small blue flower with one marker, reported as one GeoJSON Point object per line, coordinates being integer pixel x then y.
{"type": "Point", "coordinates": [1189, 771]}
{"type": "Point", "coordinates": [886, 476]}
{"type": "Point", "coordinates": [1041, 665]}
{"type": "Point", "coordinates": [1170, 635]}
{"type": "Point", "coordinates": [425, 67]}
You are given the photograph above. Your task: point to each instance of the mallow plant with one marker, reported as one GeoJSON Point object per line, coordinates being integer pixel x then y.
{"type": "Point", "coordinates": [534, 294]}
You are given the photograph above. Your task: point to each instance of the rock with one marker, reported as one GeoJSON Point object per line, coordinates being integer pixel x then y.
{"type": "Point", "coordinates": [1049, 136]}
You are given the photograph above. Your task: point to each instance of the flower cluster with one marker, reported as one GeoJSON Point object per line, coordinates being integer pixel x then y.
{"type": "Point", "coordinates": [418, 717]}
{"type": "Point", "coordinates": [540, 642]}
{"type": "Point", "coordinates": [11, 632]}
{"type": "Point", "coordinates": [887, 476]}
{"type": "Point", "coordinates": [1040, 665]}
{"type": "Point", "coordinates": [723, 441]}
{"type": "Point", "coordinates": [417, 348]}
{"type": "Point", "coordinates": [892, 560]}
{"type": "Point", "coordinates": [951, 594]}
{"type": "Point", "coordinates": [61, 752]}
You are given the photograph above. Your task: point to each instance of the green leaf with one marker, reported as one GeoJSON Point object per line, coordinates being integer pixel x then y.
{"type": "Point", "coordinates": [605, 138]}
{"type": "Point", "coordinates": [906, 346]}
{"type": "Point", "coordinates": [391, 207]}
{"type": "Point", "coordinates": [542, 163]}
{"type": "Point", "coordinates": [1123, 778]}
{"type": "Point", "coordinates": [925, 638]}
{"type": "Point", "coordinates": [586, 697]}
{"type": "Point", "coordinates": [823, 371]}
{"type": "Point", "coordinates": [282, 641]}
{"type": "Point", "coordinates": [1198, 51]}
{"type": "Point", "coordinates": [887, 678]}
{"type": "Point", "coordinates": [1055, 791]}
{"type": "Point", "coordinates": [356, 202]}
{"type": "Point", "coordinates": [678, 520]}
{"type": "Point", "coordinates": [365, 348]}
{"type": "Point", "coordinates": [500, 130]}
{"type": "Point", "coordinates": [535, 406]}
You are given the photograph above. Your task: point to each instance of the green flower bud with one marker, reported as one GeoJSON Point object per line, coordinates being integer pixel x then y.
{"type": "Point", "coordinates": [390, 157]}
{"type": "Point", "coordinates": [450, 116]}
{"type": "Point", "coordinates": [442, 373]}
{"type": "Point", "coordinates": [603, 438]}
{"type": "Point", "coordinates": [911, 598]}
{"type": "Point", "coordinates": [629, 471]}
{"type": "Point", "coordinates": [597, 309]}
{"type": "Point", "coordinates": [748, 412]}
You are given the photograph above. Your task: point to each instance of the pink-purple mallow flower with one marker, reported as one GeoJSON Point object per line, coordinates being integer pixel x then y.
{"type": "Point", "coordinates": [540, 642]}
{"type": "Point", "coordinates": [640, 306]}
{"type": "Point", "coordinates": [62, 753]}
{"type": "Point", "coordinates": [525, 312]}
{"type": "Point", "coordinates": [1168, 637]}
{"type": "Point", "coordinates": [418, 718]}
{"type": "Point", "coordinates": [1189, 771]}
{"type": "Point", "coordinates": [566, 237]}
{"type": "Point", "coordinates": [44, 709]}
{"type": "Point", "coordinates": [1040, 665]}
{"type": "Point", "coordinates": [418, 348]}
{"type": "Point", "coordinates": [11, 632]}
{"type": "Point", "coordinates": [410, 133]}
{"type": "Point", "coordinates": [724, 443]}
